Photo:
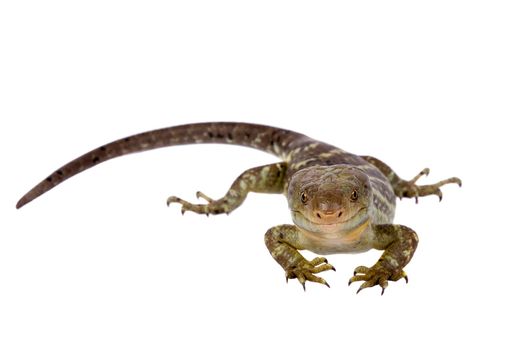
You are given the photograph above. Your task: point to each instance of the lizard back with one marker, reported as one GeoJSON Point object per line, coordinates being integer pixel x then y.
{"type": "Point", "coordinates": [297, 150]}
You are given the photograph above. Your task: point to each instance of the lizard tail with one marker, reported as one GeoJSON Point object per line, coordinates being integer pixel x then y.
{"type": "Point", "coordinates": [269, 139]}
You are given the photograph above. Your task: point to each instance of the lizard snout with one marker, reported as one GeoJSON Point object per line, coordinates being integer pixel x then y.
{"type": "Point", "coordinates": [328, 211]}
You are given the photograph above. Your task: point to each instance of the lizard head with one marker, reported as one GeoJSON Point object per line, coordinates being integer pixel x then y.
{"type": "Point", "coordinates": [329, 199]}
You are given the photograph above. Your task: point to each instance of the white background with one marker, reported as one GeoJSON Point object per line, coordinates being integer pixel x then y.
{"type": "Point", "coordinates": [101, 263]}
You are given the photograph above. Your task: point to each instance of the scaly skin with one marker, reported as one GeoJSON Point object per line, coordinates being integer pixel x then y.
{"type": "Point", "coordinates": [340, 202]}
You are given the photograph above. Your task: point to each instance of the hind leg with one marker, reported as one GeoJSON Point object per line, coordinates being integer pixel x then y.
{"type": "Point", "coordinates": [263, 179]}
{"type": "Point", "coordinates": [403, 188]}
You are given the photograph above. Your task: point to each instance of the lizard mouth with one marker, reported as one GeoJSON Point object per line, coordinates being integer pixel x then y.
{"type": "Point", "coordinates": [305, 222]}
{"type": "Point", "coordinates": [327, 222]}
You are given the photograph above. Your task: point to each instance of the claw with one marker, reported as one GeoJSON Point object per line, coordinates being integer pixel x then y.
{"type": "Point", "coordinates": [319, 261]}
{"type": "Point", "coordinates": [439, 194]}
{"type": "Point", "coordinates": [361, 269]}
{"type": "Point", "coordinates": [306, 271]}
{"type": "Point", "coordinates": [172, 199]}
{"type": "Point", "coordinates": [425, 171]}
{"type": "Point", "coordinates": [200, 195]}
{"type": "Point", "coordinates": [212, 207]}
{"type": "Point", "coordinates": [383, 283]}
{"type": "Point", "coordinates": [410, 189]}
{"type": "Point", "coordinates": [376, 275]}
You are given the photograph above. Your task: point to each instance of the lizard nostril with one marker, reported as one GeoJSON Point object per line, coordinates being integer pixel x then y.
{"type": "Point", "coordinates": [318, 215]}
{"type": "Point", "coordinates": [340, 214]}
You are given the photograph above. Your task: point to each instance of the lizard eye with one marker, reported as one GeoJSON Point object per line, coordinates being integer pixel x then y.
{"type": "Point", "coordinates": [304, 197]}
{"type": "Point", "coordinates": [354, 196]}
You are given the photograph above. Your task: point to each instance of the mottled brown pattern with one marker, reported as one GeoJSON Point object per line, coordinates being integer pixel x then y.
{"type": "Point", "coordinates": [268, 139]}
{"type": "Point", "coordinates": [340, 202]}
{"type": "Point", "coordinates": [264, 179]}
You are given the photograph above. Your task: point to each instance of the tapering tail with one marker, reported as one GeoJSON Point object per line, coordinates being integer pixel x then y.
{"type": "Point", "coordinates": [269, 139]}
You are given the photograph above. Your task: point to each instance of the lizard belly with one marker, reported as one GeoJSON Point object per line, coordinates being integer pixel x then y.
{"type": "Point", "coordinates": [353, 241]}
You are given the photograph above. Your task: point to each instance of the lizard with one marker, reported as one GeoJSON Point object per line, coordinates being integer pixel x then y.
{"type": "Point", "coordinates": [339, 202]}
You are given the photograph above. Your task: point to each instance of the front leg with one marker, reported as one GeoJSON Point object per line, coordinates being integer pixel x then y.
{"type": "Point", "coordinates": [399, 243]}
{"type": "Point", "coordinates": [283, 242]}
{"type": "Point", "coordinates": [263, 179]}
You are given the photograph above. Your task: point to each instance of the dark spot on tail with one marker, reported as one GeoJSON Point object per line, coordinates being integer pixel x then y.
{"type": "Point", "coordinates": [247, 135]}
{"type": "Point", "coordinates": [220, 136]}
{"type": "Point", "coordinates": [230, 136]}
{"type": "Point", "coordinates": [60, 173]}
{"type": "Point", "coordinates": [275, 138]}
{"type": "Point", "coordinates": [126, 139]}
{"type": "Point", "coordinates": [96, 160]}
{"type": "Point", "coordinates": [102, 149]}
{"type": "Point", "coordinates": [49, 179]}
{"type": "Point", "coordinates": [210, 134]}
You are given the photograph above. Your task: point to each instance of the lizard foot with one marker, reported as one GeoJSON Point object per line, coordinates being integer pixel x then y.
{"type": "Point", "coordinates": [213, 207]}
{"type": "Point", "coordinates": [376, 275]}
{"type": "Point", "coordinates": [409, 189]}
{"type": "Point", "coordinates": [306, 270]}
